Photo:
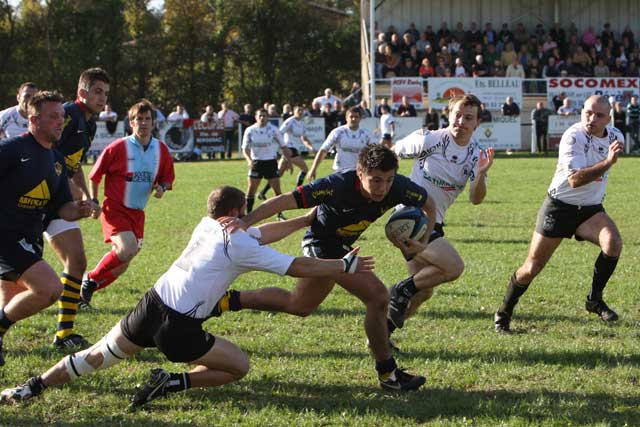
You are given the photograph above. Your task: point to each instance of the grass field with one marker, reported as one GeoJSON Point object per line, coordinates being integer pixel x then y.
{"type": "Point", "coordinates": [561, 367]}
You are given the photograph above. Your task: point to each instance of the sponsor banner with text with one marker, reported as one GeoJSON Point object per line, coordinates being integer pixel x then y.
{"type": "Point", "coordinates": [578, 89]}
{"type": "Point", "coordinates": [104, 137]}
{"type": "Point", "coordinates": [503, 133]}
{"type": "Point", "coordinates": [409, 87]}
{"type": "Point", "coordinates": [557, 126]}
{"type": "Point", "coordinates": [491, 91]}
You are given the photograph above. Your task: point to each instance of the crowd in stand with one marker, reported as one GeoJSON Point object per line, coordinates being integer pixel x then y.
{"type": "Point", "coordinates": [509, 52]}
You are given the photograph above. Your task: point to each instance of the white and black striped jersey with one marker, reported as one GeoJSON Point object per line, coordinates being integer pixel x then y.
{"type": "Point", "coordinates": [579, 149]}
{"type": "Point", "coordinates": [441, 166]}
{"type": "Point", "coordinates": [348, 144]}
{"type": "Point", "coordinates": [263, 142]}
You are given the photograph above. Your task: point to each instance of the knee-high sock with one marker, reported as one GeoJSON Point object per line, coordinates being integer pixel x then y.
{"type": "Point", "coordinates": [250, 201]}
{"type": "Point", "coordinates": [265, 189]}
{"type": "Point", "coordinates": [300, 180]}
{"type": "Point", "coordinates": [602, 271]}
{"type": "Point", "coordinates": [102, 273]}
{"type": "Point", "coordinates": [68, 304]}
{"type": "Point", "coordinates": [512, 295]}
{"type": "Point", "coordinates": [5, 323]}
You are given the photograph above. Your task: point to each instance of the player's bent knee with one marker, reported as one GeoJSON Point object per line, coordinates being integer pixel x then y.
{"type": "Point", "coordinates": [242, 366]}
{"type": "Point", "coordinates": [103, 355]}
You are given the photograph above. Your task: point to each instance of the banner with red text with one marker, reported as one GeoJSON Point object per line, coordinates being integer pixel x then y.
{"type": "Point", "coordinates": [578, 89]}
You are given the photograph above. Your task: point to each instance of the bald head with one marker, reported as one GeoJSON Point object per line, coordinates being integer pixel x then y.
{"type": "Point", "coordinates": [597, 99]}
{"type": "Point", "coordinates": [595, 115]}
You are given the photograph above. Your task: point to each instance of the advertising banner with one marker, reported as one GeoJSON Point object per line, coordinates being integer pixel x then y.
{"type": "Point", "coordinates": [104, 137]}
{"type": "Point", "coordinates": [409, 87]}
{"type": "Point", "coordinates": [209, 136]}
{"type": "Point", "coordinates": [557, 126]}
{"type": "Point", "coordinates": [502, 133]}
{"type": "Point", "coordinates": [491, 91]}
{"type": "Point", "coordinates": [578, 89]}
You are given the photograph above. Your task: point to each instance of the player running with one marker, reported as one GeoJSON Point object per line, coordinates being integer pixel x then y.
{"type": "Point", "coordinates": [64, 236]}
{"type": "Point", "coordinates": [348, 203]}
{"type": "Point", "coordinates": [573, 207]}
{"type": "Point", "coordinates": [14, 121]}
{"type": "Point", "coordinates": [170, 315]}
{"type": "Point", "coordinates": [33, 181]}
{"type": "Point", "coordinates": [446, 160]}
{"type": "Point", "coordinates": [135, 167]}
{"type": "Point", "coordinates": [348, 140]}
{"type": "Point", "coordinates": [294, 133]}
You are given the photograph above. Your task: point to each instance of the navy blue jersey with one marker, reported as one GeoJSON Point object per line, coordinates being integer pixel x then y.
{"type": "Point", "coordinates": [343, 213]}
{"type": "Point", "coordinates": [33, 180]}
{"type": "Point", "coordinates": [77, 135]}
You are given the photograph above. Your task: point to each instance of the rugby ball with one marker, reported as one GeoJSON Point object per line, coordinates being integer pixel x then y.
{"type": "Point", "coordinates": [408, 222]}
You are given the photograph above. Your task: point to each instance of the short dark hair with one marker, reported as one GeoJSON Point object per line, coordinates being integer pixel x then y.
{"type": "Point", "coordinates": [36, 101]}
{"type": "Point", "coordinates": [142, 106]}
{"type": "Point", "coordinates": [261, 111]}
{"type": "Point", "coordinates": [223, 199]}
{"type": "Point", "coordinates": [467, 100]}
{"type": "Point", "coordinates": [355, 110]}
{"type": "Point", "coordinates": [377, 156]}
{"type": "Point", "coordinates": [30, 85]}
{"type": "Point", "coordinates": [90, 76]}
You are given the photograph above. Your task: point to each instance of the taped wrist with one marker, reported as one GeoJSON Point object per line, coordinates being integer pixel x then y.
{"type": "Point", "coordinates": [350, 262]}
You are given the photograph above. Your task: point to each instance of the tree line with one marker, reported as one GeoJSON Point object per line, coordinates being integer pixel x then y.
{"type": "Point", "coordinates": [193, 52]}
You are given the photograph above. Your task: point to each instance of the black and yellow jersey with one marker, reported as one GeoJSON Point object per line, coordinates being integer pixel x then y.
{"type": "Point", "coordinates": [344, 213]}
{"type": "Point", "coordinates": [33, 181]}
{"type": "Point", "coordinates": [77, 135]}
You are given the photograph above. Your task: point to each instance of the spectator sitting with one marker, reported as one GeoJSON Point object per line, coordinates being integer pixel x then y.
{"type": "Point", "coordinates": [515, 69]}
{"type": "Point", "coordinates": [406, 109]}
{"type": "Point", "coordinates": [413, 31]}
{"type": "Point", "coordinates": [549, 44]}
{"type": "Point", "coordinates": [406, 43]}
{"type": "Point", "coordinates": [497, 70]}
{"type": "Point", "coordinates": [408, 69]}
{"type": "Point", "coordinates": [485, 115]}
{"type": "Point", "coordinates": [479, 68]}
{"type": "Point", "coordinates": [567, 109]}
{"type": "Point", "coordinates": [441, 67]}
{"type": "Point", "coordinates": [473, 36]}
{"type": "Point", "coordinates": [551, 69]}
{"type": "Point", "coordinates": [422, 43]}
{"type": "Point", "coordinates": [632, 70]}
{"type": "Point", "coordinates": [601, 69]}
{"type": "Point", "coordinates": [364, 109]}
{"type": "Point", "coordinates": [108, 115]}
{"type": "Point", "coordinates": [490, 55]}
{"type": "Point", "coordinates": [533, 70]}
{"type": "Point", "coordinates": [391, 63]}
{"type": "Point", "coordinates": [426, 70]}
{"type": "Point", "coordinates": [581, 59]}
{"type": "Point", "coordinates": [459, 70]}
{"type": "Point", "coordinates": [510, 108]}
{"type": "Point", "coordinates": [617, 69]}
{"type": "Point", "coordinates": [444, 117]}
{"type": "Point", "coordinates": [431, 119]}
{"type": "Point", "coordinates": [589, 37]}
{"type": "Point", "coordinates": [508, 55]}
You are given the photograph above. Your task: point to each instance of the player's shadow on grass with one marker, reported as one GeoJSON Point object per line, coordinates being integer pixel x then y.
{"type": "Point", "coordinates": [493, 241]}
{"type": "Point", "coordinates": [328, 400]}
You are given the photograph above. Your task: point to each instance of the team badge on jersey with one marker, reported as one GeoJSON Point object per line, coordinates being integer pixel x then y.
{"type": "Point", "coordinates": [58, 168]}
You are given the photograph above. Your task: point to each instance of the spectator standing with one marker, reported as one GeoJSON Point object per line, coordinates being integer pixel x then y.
{"type": "Point", "coordinates": [286, 112]}
{"type": "Point", "coordinates": [601, 69]}
{"type": "Point", "coordinates": [328, 97]}
{"type": "Point", "coordinates": [619, 118]}
{"type": "Point", "coordinates": [540, 118]}
{"type": "Point", "coordinates": [247, 118]}
{"type": "Point", "coordinates": [633, 122]}
{"type": "Point", "coordinates": [229, 119]}
{"type": "Point", "coordinates": [383, 101]}
{"type": "Point", "coordinates": [444, 117]}
{"type": "Point", "coordinates": [387, 126]}
{"type": "Point", "coordinates": [567, 109]}
{"type": "Point", "coordinates": [178, 115]}
{"type": "Point", "coordinates": [431, 119]}
{"type": "Point", "coordinates": [108, 115]}
{"type": "Point", "coordinates": [459, 70]}
{"type": "Point", "coordinates": [406, 109]}
{"type": "Point", "coordinates": [485, 115]}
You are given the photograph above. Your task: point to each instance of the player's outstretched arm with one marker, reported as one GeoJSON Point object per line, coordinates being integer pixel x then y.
{"type": "Point", "coordinates": [593, 172]}
{"type": "Point", "coordinates": [274, 231]}
{"type": "Point", "coordinates": [271, 207]}
{"type": "Point", "coordinates": [315, 267]}
{"type": "Point", "coordinates": [320, 155]}
{"type": "Point", "coordinates": [478, 187]}
{"type": "Point", "coordinates": [73, 211]}
{"type": "Point", "coordinates": [429, 209]}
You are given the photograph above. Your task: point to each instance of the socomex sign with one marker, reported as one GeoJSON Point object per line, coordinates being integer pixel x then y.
{"type": "Point", "coordinates": [578, 89]}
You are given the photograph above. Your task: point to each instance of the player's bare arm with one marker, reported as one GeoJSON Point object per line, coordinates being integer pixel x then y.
{"type": "Point", "coordinates": [429, 209]}
{"type": "Point", "coordinates": [316, 267]}
{"type": "Point", "coordinates": [478, 187]}
{"type": "Point", "coordinates": [591, 173]}
{"type": "Point", "coordinates": [320, 155]}
{"type": "Point", "coordinates": [271, 207]}
{"type": "Point", "coordinates": [275, 231]}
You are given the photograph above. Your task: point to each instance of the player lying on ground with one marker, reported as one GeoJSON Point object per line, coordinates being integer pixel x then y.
{"type": "Point", "coordinates": [170, 315]}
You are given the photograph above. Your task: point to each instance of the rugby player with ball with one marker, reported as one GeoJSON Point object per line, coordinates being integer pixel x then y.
{"type": "Point", "coordinates": [445, 160]}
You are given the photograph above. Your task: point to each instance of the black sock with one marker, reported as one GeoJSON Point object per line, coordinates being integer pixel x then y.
{"type": "Point", "coordinates": [605, 265]}
{"type": "Point", "coordinates": [250, 200]}
{"type": "Point", "coordinates": [265, 190]}
{"type": "Point", "coordinates": [234, 300]}
{"type": "Point", "coordinates": [513, 294]}
{"type": "Point", "coordinates": [390, 326]}
{"type": "Point", "coordinates": [386, 366]}
{"type": "Point", "coordinates": [5, 323]}
{"type": "Point", "coordinates": [178, 382]}
{"type": "Point", "coordinates": [407, 287]}
{"type": "Point", "coordinates": [300, 180]}
{"type": "Point", "coordinates": [36, 385]}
